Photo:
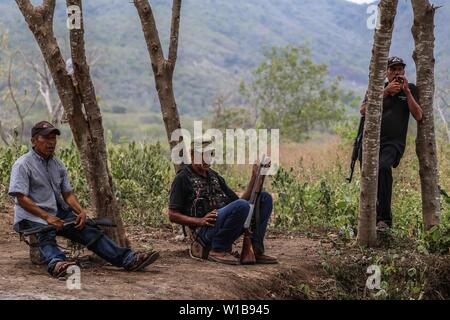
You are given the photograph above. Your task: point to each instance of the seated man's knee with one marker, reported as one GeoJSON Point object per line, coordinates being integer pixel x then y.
{"type": "Point", "coordinates": [242, 207]}
{"type": "Point", "coordinates": [89, 235]}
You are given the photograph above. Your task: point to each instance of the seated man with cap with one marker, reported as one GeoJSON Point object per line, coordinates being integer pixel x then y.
{"type": "Point", "coordinates": [40, 185]}
{"type": "Point", "coordinates": [201, 200]}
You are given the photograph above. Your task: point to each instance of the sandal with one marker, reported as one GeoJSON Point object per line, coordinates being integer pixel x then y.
{"type": "Point", "coordinates": [60, 268]}
{"type": "Point", "coordinates": [143, 259]}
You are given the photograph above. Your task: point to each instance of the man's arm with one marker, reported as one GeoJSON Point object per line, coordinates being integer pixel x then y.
{"type": "Point", "coordinates": [28, 205]}
{"type": "Point", "coordinates": [248, 192]}
{"type": "Point", "coordinates": [71, 199]}
{"type": "Point", "coordinates": [413, 106]}
{"type": "Point", "coordinates": [393, 87]}
{"type": "Point", "coordinates": [179, 218]}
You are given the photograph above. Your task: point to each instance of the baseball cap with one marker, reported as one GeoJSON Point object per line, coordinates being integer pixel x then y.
{"type": "Point", "coordinates": [44, 128]}
{"type": "Point", "coordinates": [393, 61]}
{"type": "Point", "coordinates": [200, 144]}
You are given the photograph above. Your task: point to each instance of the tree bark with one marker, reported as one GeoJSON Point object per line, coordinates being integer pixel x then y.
{"type": "Point", "coordinates": [371, 137]}
{"type": "Point", "coordinates": [162, 68]}
{"type": "Point", "coordinates": [80, 104]}
{"type": "Point", "coordinates": [423, 33]}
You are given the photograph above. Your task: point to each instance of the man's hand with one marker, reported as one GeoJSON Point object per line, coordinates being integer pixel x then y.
{"type": "Point", "coordinates": [393, 87]}
{"type": "Point", "coordinates": [209, 220]}
{"type": "Point", "coordinates": [81, 221]}
{"type": "Point", "coordinates": [255, 170]}
{"type": "Point", "coordinates": [362, 108]}
{"type": "Point", "coordinates": [404, 84]}
{"type": "Point", "coordinates": [57, 222]}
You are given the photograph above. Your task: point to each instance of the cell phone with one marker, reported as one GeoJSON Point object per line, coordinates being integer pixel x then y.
{"type": "Point", "coordinates": [398, 79]}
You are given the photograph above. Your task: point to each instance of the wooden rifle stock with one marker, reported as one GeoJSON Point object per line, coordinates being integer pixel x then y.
{"type": "Point", "coordinates": [247, 253]}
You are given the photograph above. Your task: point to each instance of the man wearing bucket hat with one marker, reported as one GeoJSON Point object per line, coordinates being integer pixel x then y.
{"type": "Point", "coordinates": [400, 100]}
{"type": "Point", "coordinates": [40, 185]}
{"type": "Point", "coordinates": [201, 200]}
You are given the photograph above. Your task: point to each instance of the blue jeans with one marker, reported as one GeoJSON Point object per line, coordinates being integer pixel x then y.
{"type": "Point", "coordinates": [89, 236]}
{"type": "Point", "coordinates": [229, 225]}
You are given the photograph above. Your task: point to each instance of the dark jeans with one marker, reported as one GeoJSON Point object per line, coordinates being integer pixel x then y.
{"type": "Point", "coordinates": [89, 236]}
{"type": "Point", "coordinates": [229, 225]}
{"type": "Point", "coordinates": [389, 157]}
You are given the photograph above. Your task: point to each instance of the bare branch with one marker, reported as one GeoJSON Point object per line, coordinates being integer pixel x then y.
{"type": "Point", "coordinates": [441, 113]}
{"type": "Point", "coordinates": [49, 5]}
{"type": "Point", "coordinates": [34, 66]}
{"type": "Point", "coordinates": [13, 98]}
{"type": "Point", "coordinates": [174, 32]}
{"type": "Point", "coordinates": [44, 83]}
{"type": "Point", "coordinates": [150, 32]}
{"type": "Point", "coordinates": [47, 9]}
{"type": "Point", "coordinates": [93, 57]}
{"type": "Point", "coordinates": [3, 134]}
{"type": "Point", "coordinates": [11, 91]}
{"type": "Point", "coordinates": [26, 7]}
{"type": "Point", "coordinates": [32, 104]}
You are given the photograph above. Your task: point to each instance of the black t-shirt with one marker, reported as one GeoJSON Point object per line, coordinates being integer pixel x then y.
{"type": "Point", "coordinates": [395, 118]}
{"type": "Point", "coordinates": [195, 195]}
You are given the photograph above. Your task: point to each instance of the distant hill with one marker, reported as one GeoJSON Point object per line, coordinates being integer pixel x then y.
{"type": "Point", "coordinates": [221, 41]}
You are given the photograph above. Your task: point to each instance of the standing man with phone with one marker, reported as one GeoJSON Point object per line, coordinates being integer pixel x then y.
{"type": "Point", "coordinates": [400, 100]}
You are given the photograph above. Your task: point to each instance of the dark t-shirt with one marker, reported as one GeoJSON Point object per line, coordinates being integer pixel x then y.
{"type": "Point", "coordinates": [395, 118]}
{"type": "Point", "coordinates": [195, 195]}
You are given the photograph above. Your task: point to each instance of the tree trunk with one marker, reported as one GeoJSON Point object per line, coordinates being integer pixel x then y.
{"type": "Point", "coordinates": [423, 33]}
{"type": "Point", "coordinates": [162, 68]}
{"type": "Point", "coordinates": [371, 137]}
{"type": "Point", "coordinates": [80, 105]}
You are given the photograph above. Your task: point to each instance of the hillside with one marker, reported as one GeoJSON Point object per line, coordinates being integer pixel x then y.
{"type": "Point", "coordinates": [221, 41]}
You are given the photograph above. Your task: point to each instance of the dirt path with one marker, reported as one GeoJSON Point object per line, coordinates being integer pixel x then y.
{"type": "Point", "coordinates": [173, 276]}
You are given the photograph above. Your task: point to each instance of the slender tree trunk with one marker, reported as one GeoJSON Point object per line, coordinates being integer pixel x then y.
{"type": "Point", "coordinates": [162, 68]}
{"type": "Point", "coordinates": [371, 140]}
{"type": "Point", "coordinates": [80, 105]}
{"type": "Point", "coordinates": [423, 33]}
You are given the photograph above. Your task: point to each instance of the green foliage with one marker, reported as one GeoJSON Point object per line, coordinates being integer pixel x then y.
{"type": "Point", "coordinates": [437, 239]}
{"type": "Point", "coordinates": [347, 129]}
{"type": "Point", "coordinates": [142, 175]}
{"type": "Point", "coordinates": [7, 158]}
{"type": "Point", "coordinates": [293, 93]}
{"type": "Point", "coordinates": [234, 117]}
{"type": "Point", "coordinates": [70, 156]}
{"type": "Point", "coordinates": [404, 274]}
{"type": "Point", "coordinates": [303, 202]}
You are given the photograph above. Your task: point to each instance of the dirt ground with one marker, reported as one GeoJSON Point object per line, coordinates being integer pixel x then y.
{"type": "Point", "coordinates": [174, 276]}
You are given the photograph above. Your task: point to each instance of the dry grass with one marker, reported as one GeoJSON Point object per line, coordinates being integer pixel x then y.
{"type": "Point", "coordinates": [319, 154]}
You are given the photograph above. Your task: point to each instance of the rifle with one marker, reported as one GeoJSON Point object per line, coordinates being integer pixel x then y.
{"type": "Point", "coordinates": [90, 222]}
{"type": "Point", "coordinates": [247, 253]}
{"type": "Point", "coordinates": [357, 145]}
